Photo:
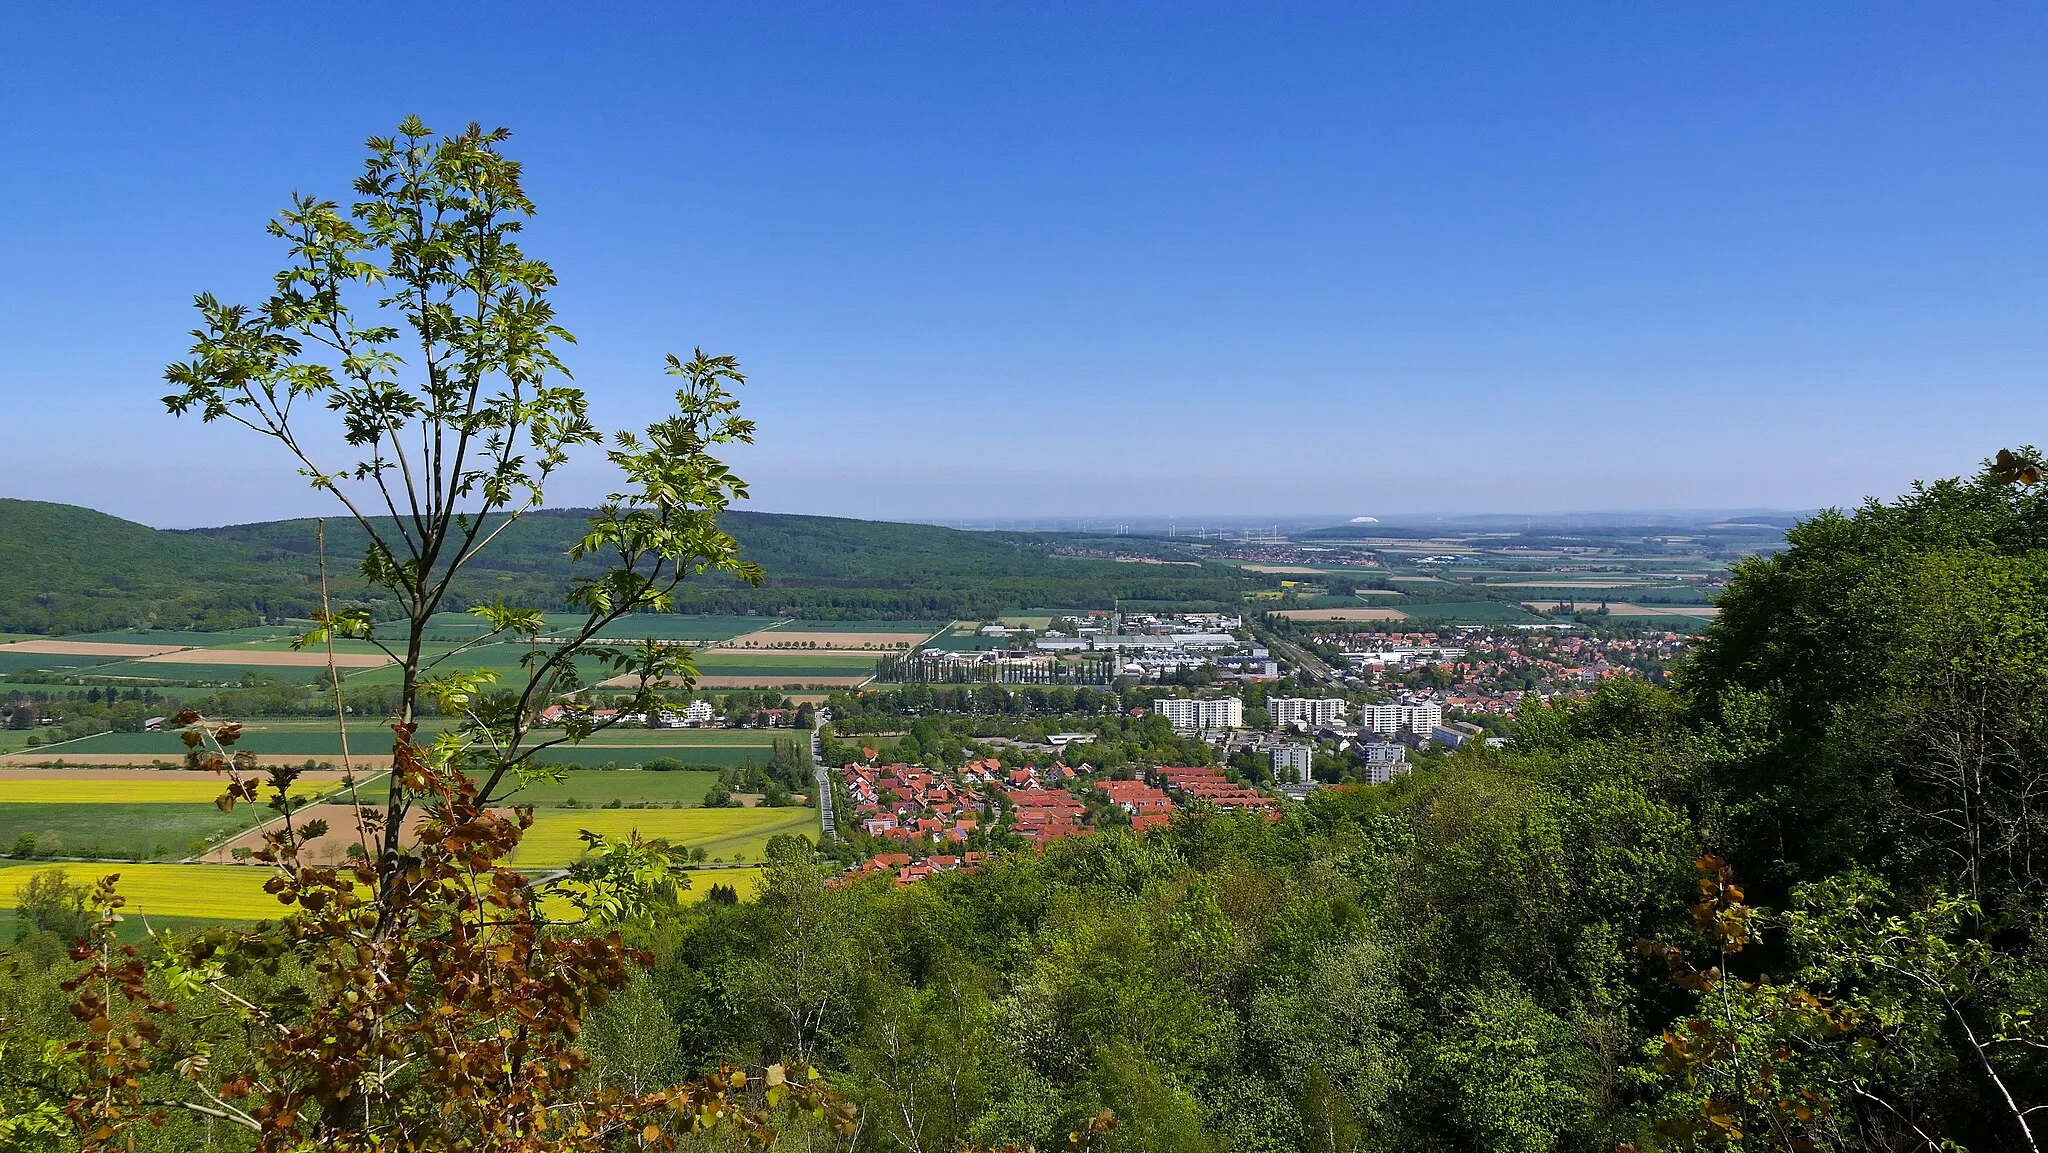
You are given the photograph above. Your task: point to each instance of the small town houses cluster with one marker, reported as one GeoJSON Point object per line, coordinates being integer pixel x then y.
{"type": "Point", "coordinates": [1494, 672]}
{"type": "Point", "coordinates": [933, 813]}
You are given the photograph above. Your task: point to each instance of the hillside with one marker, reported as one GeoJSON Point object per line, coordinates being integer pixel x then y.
{"type": "Point", "coordinates": [831, 566]}
{"type": "Point", "coordinates": [70, 569]}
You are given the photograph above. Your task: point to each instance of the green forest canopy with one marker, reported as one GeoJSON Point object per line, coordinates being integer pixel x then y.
{"type": "Point", "coordinates": [69, 569]}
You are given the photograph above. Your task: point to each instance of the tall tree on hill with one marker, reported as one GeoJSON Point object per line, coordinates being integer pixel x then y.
{"type": "Point", "coordinates": [408, 360]}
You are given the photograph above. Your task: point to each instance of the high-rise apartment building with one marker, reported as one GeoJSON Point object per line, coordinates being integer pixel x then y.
{"type": "Point", "coordinates": [1309, 712]}
{"type": "Point", "coordinates": [1201, 714]}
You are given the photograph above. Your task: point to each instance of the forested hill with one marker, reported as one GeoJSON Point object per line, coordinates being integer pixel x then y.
{"type": "Point", "coordinates": [69, 569]}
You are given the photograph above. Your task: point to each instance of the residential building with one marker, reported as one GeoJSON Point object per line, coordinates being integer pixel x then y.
{"type": "Point", "coordinates": [1307, 712]}
{"type": "Point", "coordinates": [1383, 752]}
{"type": "Point", "coordinates": [1292, 762]}
{"type": "Point", "coordinates": [1201, 714]}
{"type": "Point", "coordinates": [1421, 718]}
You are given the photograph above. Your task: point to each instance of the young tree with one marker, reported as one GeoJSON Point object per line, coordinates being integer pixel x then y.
{"type": "Point", "coordinates": [408, 360]}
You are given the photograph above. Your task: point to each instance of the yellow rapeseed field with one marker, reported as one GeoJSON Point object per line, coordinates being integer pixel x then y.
{"type": "Point", "coordinates": [725, 833]}
{"type": "Point", "coordinates": [235, 892]}
{"type": "Point", "coordinates": [145, 789]}
{"type": "Point", "coordinates": [229, 892]}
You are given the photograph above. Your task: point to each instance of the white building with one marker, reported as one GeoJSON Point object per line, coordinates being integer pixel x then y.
{"type": "Point", "coordinates": [1292, 764]}
{"type": "Point", "coordinates": [698, 714]}
{"type": "Point", "coordinates": [1385, 771]}
{"type": "Point", "coordinates": [1383, 752]}
{"type": "Point", "coordinates": [1308, 712]}
{"type": "Point", "coordinates": [1201, 714]}
{"type": "Point", "coordinates": [1421, 719]}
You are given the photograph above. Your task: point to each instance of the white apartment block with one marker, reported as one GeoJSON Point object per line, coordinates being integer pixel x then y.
{"type": "Point", "coordinates": [1380, 772]}
{"type": "Point", "coordinates": [1292, 764]}
{"type": "Point", "coordinates": [1422, 718]}
{"type": "Point", "coordinates": [1309, 712]}
{"type": "Point", "coordinates": [1383, 752]}
{"type": "Point", "coordinates": [1201, 714]}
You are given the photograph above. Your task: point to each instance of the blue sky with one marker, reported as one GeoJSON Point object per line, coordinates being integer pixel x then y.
{"type": "Point", "coordinates": [1024, 259]}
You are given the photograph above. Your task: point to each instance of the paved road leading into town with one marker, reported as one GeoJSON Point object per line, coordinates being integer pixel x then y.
{"type": "Point", "coordinates": [828, 828]}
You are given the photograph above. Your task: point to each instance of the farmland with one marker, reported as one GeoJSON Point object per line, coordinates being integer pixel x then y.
{"type": "Point", "coordinates": [591, 788]}
{"type": "Point", "coordinates": [56, 786]}
{"type": "Point", "coordinates": [295, 741]}
{"type": "Point", "coordinates": [118, 830]}
{"type": "Point", "coordinates": [730, 834]}
{"type": "Point", "coordinates": [1361, 613]}
{"type": "Point", "coordinates": [213, 892]}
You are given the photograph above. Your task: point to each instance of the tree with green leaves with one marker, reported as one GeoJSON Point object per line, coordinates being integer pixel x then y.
{"type": "Point", "coordinates": [409, 361]}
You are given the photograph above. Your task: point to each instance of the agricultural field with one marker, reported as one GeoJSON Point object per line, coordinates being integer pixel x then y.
{"type": "Point", "coordinates": [293, 742]}
{"type": "Point", "coordinates": [1469, 612]}
{"type": "Point", "coordinates": [730, 834]}
{"type": "Point", "coordinates": [1359, 613]}
{"type": "Point", "coordinates": [726, 663]}
{"type": "Point", "coordinates": [700, 756]}
{"type": "Point", "coordinates": [125, 813]}
{"type": "Point", "coordinates": [592, 788]}
{"type": "Point", "coordinates": [840, 640]}
{"type": "Point", "coordinates": [212, 892]}
{"type": "Point", "coordinates": [119, 830]}
{"type": "Point", "coordinates": [131, 787]}
{"type": "Point", "coordinates": [922, 628]}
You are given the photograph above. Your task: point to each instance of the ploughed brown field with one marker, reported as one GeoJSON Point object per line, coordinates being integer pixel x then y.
{"type": "Point", "coordinates": [89, 649]}
{"type": "Point", "coordinates": [1358, 614]}
{"type": "Point", "coordinates": [331, 848]}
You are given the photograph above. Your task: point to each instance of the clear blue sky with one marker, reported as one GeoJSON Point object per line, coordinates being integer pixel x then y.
{"type": "Point", "coordinates": [1016, 259]}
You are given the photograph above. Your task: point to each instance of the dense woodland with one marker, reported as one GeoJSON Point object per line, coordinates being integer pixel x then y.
{"type": "Point", "coordinates": [1794, 900]}
{"type": "Point", "coordinates": [67, 569]}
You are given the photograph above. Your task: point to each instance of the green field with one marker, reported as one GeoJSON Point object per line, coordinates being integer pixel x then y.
{"type": "Point", "coordinates": [728, 834]}
{"type": "Point", "coordinates": [22, 662]}
{"type": "Point", "coordinates": [187, 639]}
{"type": "Point", "coordinates": [212, 674]}
{"type": "Point", "coordinates": [692, 746]}
{"type": "Point", "coordinates": [134, 930]}
{"type": "Point", "coordinates": [635, 754]}
{"type": "Point", "coordinates": [167, 746]}
{"type": "Point", "coordinates": [165, 832]}
{"type": "Point", "coordinates": [691, 738]}
{"type": "Point", "coordinates": [591, 788]}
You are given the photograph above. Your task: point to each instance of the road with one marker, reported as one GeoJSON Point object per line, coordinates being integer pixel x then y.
{"type": "Point", "coordinates": [827, 827]}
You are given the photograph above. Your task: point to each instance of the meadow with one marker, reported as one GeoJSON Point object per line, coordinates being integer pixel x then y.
{"type": "Point", "coordinates": [118, 829]}
{"type": "Point", "coordinates": [591, 788]}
